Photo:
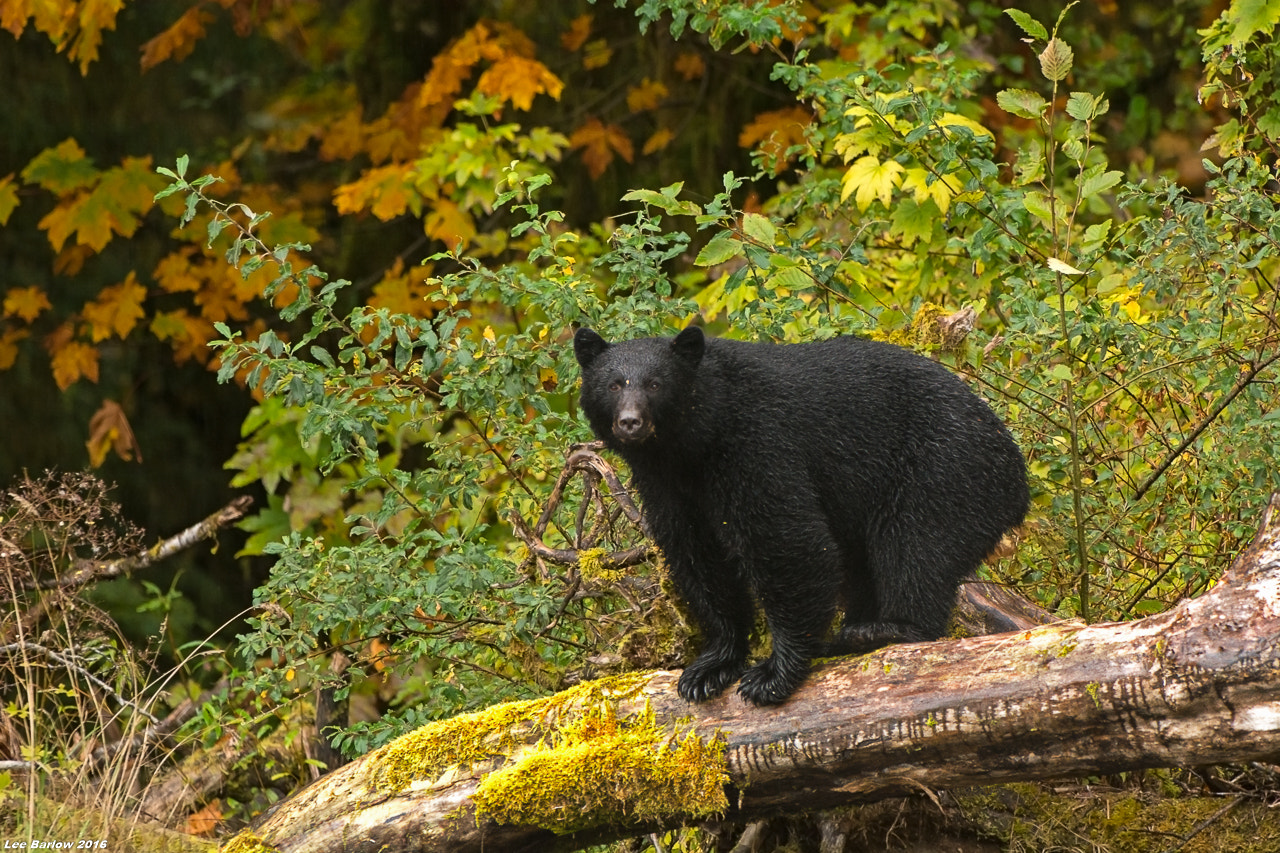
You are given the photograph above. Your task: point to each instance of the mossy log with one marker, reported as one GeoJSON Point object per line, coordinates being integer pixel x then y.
{"type": "Point", "coordinates": [1195, 685]}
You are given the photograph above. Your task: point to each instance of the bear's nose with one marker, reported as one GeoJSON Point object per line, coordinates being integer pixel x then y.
{"type": "Point", "coordinates": [630, 425]}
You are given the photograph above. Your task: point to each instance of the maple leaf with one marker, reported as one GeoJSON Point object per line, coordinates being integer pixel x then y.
{"type": "Point", "coordinates": [219, 301]}
{"type": "Point", "coordinates": [26, 302]}
{"type": "Point", "coordinates": [188, 335]}
{"type": "Point", "coordinates": [647, 96]}
{"type": "Point", "coordinates": [385, 191]}
{"type": "Point", "coordinates": [93, 17]}
{"type": "Point", "coordinates": [869, 179]}
{"type": "Point", "coordinates": [775, 131]}
{"type": "Point", "coordinates": [175, 274]}
{"type": "Point", "coordinates": [597, 54]}
{"type": "Point", "coordinates": [518, 79]}
{"type": "Point", "coordinates": [8, 198]}
{"type": "Point", "coordinates": [116, 310]}
{"type": "Point", "coordinates": [599, 142]}
{"type": "Point", "coordinates": [61, 169]}
{"type": "Point", "coordinates": [449, 223]}
{"type": "Point", "coordinates": [660, 139]}
{"type": "Point", "coordinates": [109, 430]}
{"type": "Point", "coordinates": [401, 293]}
{"type": "Point", "coordinates": [74, 360]}
{"type": "Point", "coordinates": [690, 65]}
{"type": "Point", "coordinates": [579, 31]}
{"type": "Point", "coordinates": [9, 347]}
{"type": "Point", "coordinates": [925, 187]}
{"type": "Point", "coordinates": [178, 41]}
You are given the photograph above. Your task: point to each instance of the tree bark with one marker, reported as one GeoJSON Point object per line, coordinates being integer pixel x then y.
{"type": "Point", "coordinates": [1195, 685]}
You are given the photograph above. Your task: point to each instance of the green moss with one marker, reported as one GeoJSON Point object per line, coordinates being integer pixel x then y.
{"type": "Point", "coordinates": [1027, 817]}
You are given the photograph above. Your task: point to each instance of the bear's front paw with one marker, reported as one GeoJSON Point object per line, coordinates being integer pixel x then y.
{"type": "Point", "coordinates": [768, 684]}
{"type": "Point", "coordinates": [706, 678]}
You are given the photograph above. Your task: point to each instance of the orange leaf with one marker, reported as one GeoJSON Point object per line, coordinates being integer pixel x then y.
{"type": "Point", "coordinates": [599, 142]}
{"type": "Point", "coordinates": [9, 347]}
{"type": "Point", "coordinates": [8, 198]}
{"type": "Point", "coordinates": [205, 822]}
{"type": "Point", "coordinates": [25, 302]}
{"type": "Point", "coordinates": [690, 65]}
{"type": "Point", "coordinates": [775, 132]}
{"type": "Point", "coordinates": [72, 361]}
{"type": "Point", "coordinates": [449, 223]}
{"type": "Point", "coordinates": [178, 41]}
{"type": "Point", "coordinates": [578, 32]}
{"type": "Point", "coordinates": [660, 139]}
{"type": "Point", "coordinates": [189, 336]}
{"type": "Point", "coordinates": [648, 95]}
{"type": "Point", "coordinates": [112, 206]}
{"type": "Point", "coordinates": [384, 191]}
{"type": "Point", "coordinates": [109, 430]}
{"type": "Point", "coordinates": [117, 309]}
{"type": "Point", "coordinates": [517, 79]}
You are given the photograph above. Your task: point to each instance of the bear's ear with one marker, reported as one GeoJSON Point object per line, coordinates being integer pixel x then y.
{"type": "Point", "coordinates": [587, 345]}
{"type": "Point", "coordinates": [690, 344]}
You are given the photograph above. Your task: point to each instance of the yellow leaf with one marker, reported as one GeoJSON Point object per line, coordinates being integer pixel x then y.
{"type": "Point", "coordinates": [93, 17]}
{"type": "Point", "coordinates": [597, 54]}
{"type": "Point", "coordinates": [488, 334]}
{"type": "Point", "coordinates": [25, 302]}
{"type": "Point", "coordinates": [175, 274]}
{"type": "Point", "coordinates": [116, 310]}
{"type": "Point", "coordinates": [517, 79]}
{"type": "Point", "coordinates": [578, 32]}
{"type": "Point", "coordinates": [869, 179]}
{"type": "Point", "coordinates": [941, 190]}
{"type": "Point", "coordinates": [61, 169]}
{"type": "Point", "coordinates": [109, 430]}
{"type": "Point", "coordinates": [599, 142]}
{"type": "Point", "coordinates": [646, 96]}
{"type": "Point", "coordinates": [186, 334]}
{"type": "Point", "coordinates": [9, 347]}
{"type": "Point", "coordinates": [8, 198]}
{"type": "Point", "coordinates": [74, 360]}
{"type": "Point", "coordinates": [178, 41]}
{"type": "Point", "coordinates": [660, 139]}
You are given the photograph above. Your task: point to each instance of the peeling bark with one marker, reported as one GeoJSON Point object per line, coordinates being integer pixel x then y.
{"type": "Point", "coordinates": [1196, 685]}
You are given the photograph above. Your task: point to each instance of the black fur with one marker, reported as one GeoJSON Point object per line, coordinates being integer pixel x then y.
{"type": "Point", "coordinates": [846, 473]}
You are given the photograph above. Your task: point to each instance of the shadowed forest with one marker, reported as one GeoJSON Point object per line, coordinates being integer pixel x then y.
{"type": "Point", "coordinates": [288, 394]}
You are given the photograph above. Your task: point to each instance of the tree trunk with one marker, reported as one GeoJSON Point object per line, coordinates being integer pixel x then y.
{"type": "Point", "coordinates": [1195, 685]}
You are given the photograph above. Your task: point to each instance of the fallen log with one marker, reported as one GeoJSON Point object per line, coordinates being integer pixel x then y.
{"type": "Point", "coordinates": [616, 758]}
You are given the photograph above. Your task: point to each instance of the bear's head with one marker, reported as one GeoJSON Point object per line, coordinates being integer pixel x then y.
{"type": "Point", "coordinates": [635, 390]}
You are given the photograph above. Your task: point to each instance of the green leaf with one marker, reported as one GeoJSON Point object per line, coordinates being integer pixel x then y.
{"type": "Point", "coordinates": [721, 248]}
{"type": "Point", "coordinates": [1028, 24]}
{"type": "Point", "coordinates": [913, 221]}
{"type": "Point", "coordinates": [758, 228]}
{"type": "Point", "coordinates": [1056, 60]}
{"type": "Point", "coordinates": [1037, 205]}
{"type": "Point", "coordinates": [1022, 103]}
{"type": "Point", "coordinates": [1091, 185]}
{"type": "Point", "coordinates": [1080, 105]}
{"type": "Point", "coordinates": [1250, 17]}
{"type": "Point", "coordinates": [61, 169]}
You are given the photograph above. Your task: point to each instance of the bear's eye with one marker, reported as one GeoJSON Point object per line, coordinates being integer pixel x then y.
{"type": "Point", "coordinates": [653, 385]}
{"type": "Point", "coordinates": [615, 386]}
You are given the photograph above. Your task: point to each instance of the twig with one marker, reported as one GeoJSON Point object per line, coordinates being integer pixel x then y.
{"type": "Point", "coordinates": [1205, 824]}
{"type": "Point", "coordinates": [87, 571]}
{"type": "Point", "coordinates": [70, 665]}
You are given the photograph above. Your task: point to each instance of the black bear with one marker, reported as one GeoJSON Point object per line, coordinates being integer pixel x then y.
{"type": "Point", "coordinates": [844, 473]}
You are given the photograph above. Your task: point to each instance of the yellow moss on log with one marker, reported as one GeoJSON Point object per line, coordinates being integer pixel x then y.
{"type": "Point", "coordinates": [246, 842]}
{"type": "Point", "coordinates": [600, 770]}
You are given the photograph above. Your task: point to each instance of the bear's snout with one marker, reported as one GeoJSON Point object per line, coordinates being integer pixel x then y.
{"type": "Point", "coordinates": [631, 425]}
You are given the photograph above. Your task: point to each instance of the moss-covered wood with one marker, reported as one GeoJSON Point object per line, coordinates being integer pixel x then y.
{"type": "Point", "coordinates": [1196, 685]}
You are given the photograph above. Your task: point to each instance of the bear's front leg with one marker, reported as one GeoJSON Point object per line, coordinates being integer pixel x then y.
{"type": "Point", "coordinates": [721, 606]}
